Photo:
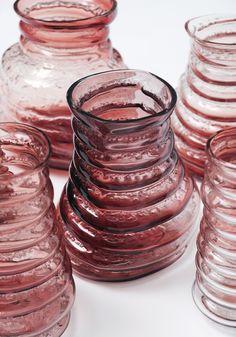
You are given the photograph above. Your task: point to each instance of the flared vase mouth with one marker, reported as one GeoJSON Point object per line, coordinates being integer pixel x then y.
{"type": "Point", "coordinates": [15, 137]}
{"type": "Point", "coordinates": [221, 149]}
{"type": "Point", "coordinates": [66, 13]}
{"type": "Point", "coordinates": [121, 96]}
{"type": "Point", "coordinates": [213, 30]}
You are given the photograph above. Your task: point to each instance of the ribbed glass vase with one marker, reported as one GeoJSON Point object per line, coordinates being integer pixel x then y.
{"type": "Point", "coordinates": [215, 287]}
{"type": "Point", "coordinates": [36, 286]}
{"type": "Point", "coordinates": [207, 90]}
{"type": "Point", "coordinates": [128, 208]}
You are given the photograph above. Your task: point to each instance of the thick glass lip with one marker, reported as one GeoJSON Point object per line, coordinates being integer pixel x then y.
{"type": "Point", "coordinates": [218, 137]}
{"type": "Point", "coordinates": [107, 16]}
{"type": "Point", "coordinates": [199, 23]}
{"type": "Point", "coordinates": [125, 71]}
{"type": "Point", "coordinates": [40, 134]}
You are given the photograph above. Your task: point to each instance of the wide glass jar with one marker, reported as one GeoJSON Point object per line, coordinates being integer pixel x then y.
{"type": "Point", "coordinates": [36, 286]}
{"type": "Point", "coordinates": [215, 287]}
{"type": "Point", "coordinates": [60, 42]}
{"type": "Point", "coordinates": [207, 90]}
{"type": "Point", "coordinates": [128, 208]}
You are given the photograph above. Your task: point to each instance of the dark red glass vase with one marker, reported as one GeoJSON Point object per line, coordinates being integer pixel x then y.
{"type": "Point", "coordinates": [128, 208]}
{"type": "Point", "coordinates": [36, 286]}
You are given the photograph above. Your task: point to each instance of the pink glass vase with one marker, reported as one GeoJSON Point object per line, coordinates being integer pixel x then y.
{"type": "Point", "coordinates": [60, 42]}
{"type": "Point", "coordinates": [215, 287]}
{"type": "Point", "coordinates": [128, 208]}
{"type": "Point", "coordinates": [36, 286]}
{"type": "Point", "coordinates": [207, 90]}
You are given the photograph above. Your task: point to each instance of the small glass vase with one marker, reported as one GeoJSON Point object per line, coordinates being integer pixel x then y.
{"type": "Point", "coordinates": [60, 42]}
{"type": "Point", "coordinates": [214, 290]}
{"type": "Point", "coordinates": [207, 90]}
{"type": "Point", "coordinates": [128, 208]}
{"type": "Point", "coordinates": [36, 285]}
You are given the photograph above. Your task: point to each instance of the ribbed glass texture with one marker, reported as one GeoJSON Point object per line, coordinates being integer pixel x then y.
{"type": "Point", "coordinates": [207, 90]}
{"type": "Point", "coordinates": [215, 286]}
{"type": "Point", "coordinates": [128, 208]}
{"type": "Point", "coordinates": [36, 286]}
{"type": "Point", "coordinates": [60, 42]}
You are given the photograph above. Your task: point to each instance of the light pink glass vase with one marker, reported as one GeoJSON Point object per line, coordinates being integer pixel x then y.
{"type": "Point", "coordinates": [207, 90]}
{"type": "Point", "coordinates": [36, 286]}
{"type": "Point", "coordinates": [215, 287]}
{"type": "Point", "coordinates": [60, 42]}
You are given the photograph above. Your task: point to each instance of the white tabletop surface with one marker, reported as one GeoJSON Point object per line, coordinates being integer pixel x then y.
{"type": "Point", "coordinates": [150, 35]}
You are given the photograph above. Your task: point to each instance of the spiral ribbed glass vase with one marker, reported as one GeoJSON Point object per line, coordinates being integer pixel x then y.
{"type": "Point", "coordinates": [36, 286]}
{"type": "Point", "coordinates": [128, 208]}
{"type": "Point", "coordinates": [215, 287]}
{"type": "Point", "coordinates": [207, 90]}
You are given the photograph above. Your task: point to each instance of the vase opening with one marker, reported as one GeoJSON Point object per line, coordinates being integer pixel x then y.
{"type": "Point", "coordinates": [222, 148]}
{"type": "Point", "coordinates": [66, 12]}
{"type": "Point", "coordinates": [121, 96]}
{"type": "Point", "coordinates": [213, 29]}
{"type": "Point", "coordinates": [23, 149]}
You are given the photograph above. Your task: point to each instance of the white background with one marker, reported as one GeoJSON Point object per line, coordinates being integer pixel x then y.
{"type": "Point", "coordinates": [150, 35]}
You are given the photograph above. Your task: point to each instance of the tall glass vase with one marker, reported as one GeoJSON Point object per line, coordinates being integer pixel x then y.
{"type": "Point", "coordinates": [36, 286]}
{"type": "Point", "coordinates": [207, 90]}
{"type": "Point", "coordinates": [128, 208]}
{"type": "Point", "coordinates": [60, 42]}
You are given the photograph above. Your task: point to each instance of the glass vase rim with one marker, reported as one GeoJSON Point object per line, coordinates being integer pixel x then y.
{"type": "Point", "coordinates": [212, 155]}
{"type": "Point", "coordinates": [218, 18]}
{"type": "Point", "coordinates": [42, 163]}
{"type": "Point", "coordinates": [127, 121]}
{"type": "Point", "coordinates": [85, 22]}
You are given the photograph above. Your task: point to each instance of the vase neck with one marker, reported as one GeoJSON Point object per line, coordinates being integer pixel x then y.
{"type": "Point", "coordinates": [118, 159]}
{"type": "Point", "coordinates": [66, 39]}
{"type": "Point", "coordinates": [24, 176]}
{"type": "Point", "coordinates": [118, 136]}
{"type": "Point", "coordinates": [213, 39]}
{"type": "Point", "coordinates": [221, 165]}
{"type": "Point", "coordinates": [121, 119]}
{"type": "Point", "coordinates": [65, 25]}
{"type": "Point", "coordinates": [214, 54]}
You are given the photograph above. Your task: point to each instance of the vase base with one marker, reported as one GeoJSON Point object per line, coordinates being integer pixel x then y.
{"type": "Point", "coordinates": [96, 274]}
{"type": "Point", "coordinates": [55, 331]}
{"type": "Point", "coordinates": [212, 310]}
